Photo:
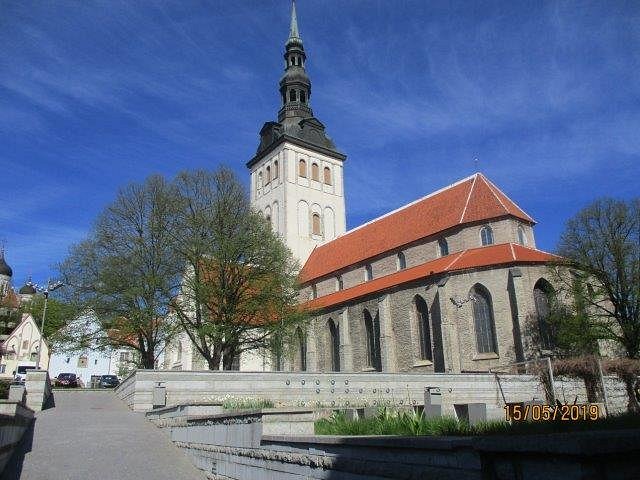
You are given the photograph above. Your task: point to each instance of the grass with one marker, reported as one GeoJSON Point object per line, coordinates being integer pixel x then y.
{"type": "Point", "coordinates": [390, 422]}
{"type": "Point", "coordinates": [236, 403]}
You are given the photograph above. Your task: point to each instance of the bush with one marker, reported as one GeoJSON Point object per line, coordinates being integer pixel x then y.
{"type": "Point", "coordinates": [4, 389]}
{"type": "Point", "coordinates": [235, 403]}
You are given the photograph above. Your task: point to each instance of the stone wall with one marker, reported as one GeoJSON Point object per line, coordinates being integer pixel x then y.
{"type": "Point", "coordinates": [347, 390]}
{"type": "Point", "coordinates": [276, 444]}
{"type": "Point", "coordinates": [15, 419]}
{"type": "Point", "coordinates": [38, 386]}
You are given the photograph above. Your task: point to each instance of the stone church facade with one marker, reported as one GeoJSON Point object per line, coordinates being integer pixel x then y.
{"type": "Point", "coordinates": [448, 283]}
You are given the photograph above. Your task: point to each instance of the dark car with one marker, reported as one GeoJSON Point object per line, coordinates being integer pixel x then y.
{"type": "Point", "coordinates": [68, 380]}
{"type": "Point", "coordinates": [109, 381]}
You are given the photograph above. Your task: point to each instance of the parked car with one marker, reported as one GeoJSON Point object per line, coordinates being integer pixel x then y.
{"type": "Point", "coordinates": [21, 373]}
{"type": "Point", "coordinates": [109, 381]}
{"type": "Point", "coordinates": [68, 380]}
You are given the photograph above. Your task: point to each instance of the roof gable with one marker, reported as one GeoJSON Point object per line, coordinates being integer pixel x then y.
{"type": "Point", "coordinates": [472, 199]}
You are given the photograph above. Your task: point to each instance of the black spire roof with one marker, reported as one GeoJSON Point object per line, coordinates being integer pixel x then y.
{"type": "Point", "coordinates": [27, 288]}
{"type": "Point", "coordinates": [296, 122]}
{"type": "Point", "coordinates": [5, 269]}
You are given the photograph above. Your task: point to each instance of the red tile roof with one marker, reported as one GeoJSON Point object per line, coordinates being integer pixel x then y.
{"type": "Point", "coordinates": [470, 200]}
{"type": "Point", "coordinates": [490, 256]}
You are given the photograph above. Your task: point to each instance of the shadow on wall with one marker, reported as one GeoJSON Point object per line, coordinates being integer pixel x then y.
{"type": "Point", "coordinates": [50, 402]}
{"type": "Point", "coordinates": [13, 470]}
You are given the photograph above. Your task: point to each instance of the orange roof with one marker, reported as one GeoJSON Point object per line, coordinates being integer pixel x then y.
{"type": "Point", "coordinates": [10, 300]}
{"type": "Point", "coordinates": [472, 199]}
{"type": "Point", "coordinates": [505, 253]}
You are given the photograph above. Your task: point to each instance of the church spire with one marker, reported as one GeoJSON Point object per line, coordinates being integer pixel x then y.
{"type": "Point", "coordinates": [295, 86]}
{"type": "Point", "coordinates": [293, 31]}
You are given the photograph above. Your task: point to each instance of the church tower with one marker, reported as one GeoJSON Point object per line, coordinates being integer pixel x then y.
{"type": "Point", "coordinates": [297, 172]}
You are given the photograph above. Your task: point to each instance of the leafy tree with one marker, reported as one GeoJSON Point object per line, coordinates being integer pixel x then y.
{"type": "Point", "coordinates": [126, 271]}
{"type": "Point", "coordinates": [602, 244]}
{"type": "Point", "coordinates": [59, 314]}
{"type": "Point", "coordinates": [239, 288]}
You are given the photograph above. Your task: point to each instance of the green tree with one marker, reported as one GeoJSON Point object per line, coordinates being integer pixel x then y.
{"type": "Point", "coordinates": [59, 314]}
{"type": "Point", "coordinates": [126, 272]}
{"type": "Point", "coordinates": [602, 245]}
{"type": "Point", "coordinates": [239, 290]}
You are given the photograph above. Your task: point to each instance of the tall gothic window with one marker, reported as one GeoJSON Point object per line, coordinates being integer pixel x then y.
{"type": "Point", "coordinates": [402, 261]}
{"type": "Point", "coordinates": [443, 246]}
{"type": "Point", "coordinates": [372, 331]}
{"type": "Point", "coordinates": [302, 349]}
{"type": "Point", "coordinates": [334, 340]}
{"type": "Point", "coordinates": [315, 172]}
{"type": "Point", "coordinates": [422, 316]}
{"type": "Point", "coordinates": [486, 235]}
{"type": "Point", "coordinates": [522, 238]}
{"type": "Point", "coordinates": [303, 96]}
{"type": "Point", "coordinates": [327, 175]}
{"type": "Point", "coordinates": [302, 168]}
{"type": "Point", "coordinates": [268, 175]}
{"type": "Point", "coordinates": [368, 273]}
{"type": "Point", "coordinates": [292, 95]}
{"type": "Point", "coordinates": [483, 320]}
{"type": "Point", "coordinates": [275, 169]}
{"type": "Point", "coordinates": [339, 283]}
{"type": "Point", "coordinates": [316, 225]}
{"type": "Point", "coordinates": [542, 295]}
{"type": "Point", "coordinates": [259, 179]}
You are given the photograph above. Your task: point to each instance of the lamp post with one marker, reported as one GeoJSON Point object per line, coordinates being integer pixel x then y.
{"type": "Point", "coordinates": [51, 286]}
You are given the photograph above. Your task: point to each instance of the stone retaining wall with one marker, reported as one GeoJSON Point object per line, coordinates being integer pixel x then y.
{"type": "Point", "coordinates": [15, 419]}
{"type": "Point", "coordinates": [329, 390]}
{"type": "Point", "coordinates": [38, 387]}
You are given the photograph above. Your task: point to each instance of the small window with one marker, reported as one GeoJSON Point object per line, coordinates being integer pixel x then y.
{"type": "Point", "coordinates": [522, 238]}
{"type": "Point", "coordinates": [368, 273]}
{"type": "Point", "coordinates": [82, 361]}
{"type": "Point", "coordinates": [275, 170]}
{"type": "Point", "coordinates": [315, 172]}
{"type": "Point", "coordinates": [292, 95]}
{"type": "Point", "coordinates": [314, 291]}
{"type": "Point", "coordinates": [402, 261]}
{"type": "Point", "coordinates": [259, 179]}
{"type": "Point", "coordinates": [268, 175]}
{"type": "Point", "coordinates": [327, 175]}
{"type": "Point", "coordinates": [67, 360]}
{"type": "Point", "coordinates": [339, 283]}
{"type": "Point", "coordinates": [315, 225]}
{"type": "Point", "coordinates": [443, 247]}
{"type": "Point", "coordinates": [95, 362]}
{"type": "Point", "coordinates": [486, 235]}
{"type": "Point", "coordinates": [268, 218]}
{"type": "Point", "coordinates": [303, 96]}
{"type": "Point", "coordinates": [302, 168]}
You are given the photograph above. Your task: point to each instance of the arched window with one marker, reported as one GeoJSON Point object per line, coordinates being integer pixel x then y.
{"type": "Point", "coordinates": [302, 349]}
{"type": "Point", "coordinates": [522, 238]}
{"type": "Point", "coordinates": [372, 331]}
{"type": "Point", "coordinates": [292, 95]}
{"type": "Point", "coordinates": [422, 316]}
{"type": "Point", "coordinates": [443, 246]}
{"type": "Point", "coordinates": [334, 340]}
{"type": "Point", "coordinates": [327, 175]}
{"type": "Point", "coordinates": [259, 179]}
{"type": "Point", "coordinates": [315, 172]}
{"type": "Point", "coordinates": [303, 96]}
{"type": "Point", "coordinates": [179, 351]}
{"type": "Point", "coordinates": [268, 219]}
{"type": "Point", "coordinates": [268, 175]}
{"type": "Point", "coordinates": [339, 283]}
{"type": "Point", "coordinates": [368, 273]}
{"type": "Point", "coordinates": [315, 224]}
{"type": "Point", "coordinates": [486, 235]}
{"type": "Point", "coordinates": [543, 294]}
{"type": "Point", "coordinates": [483, 320]}
{"type": "Point", "coordinates": [275, 169]}
{"type": "Point", "coordinates": [302, 168]}
{"type": "Point", "coordinates": [402, 261]}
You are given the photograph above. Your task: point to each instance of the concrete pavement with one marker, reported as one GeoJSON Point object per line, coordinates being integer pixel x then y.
{"type": "Point", "coordinates": [91, 434]}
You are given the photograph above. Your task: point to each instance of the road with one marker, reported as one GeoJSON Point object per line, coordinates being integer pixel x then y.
{"type": "Point", "coordinates": [92, 434]}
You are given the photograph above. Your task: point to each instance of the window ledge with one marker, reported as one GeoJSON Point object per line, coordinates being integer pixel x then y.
{"type": "Point", "coordinates": [485, 356]}
{"type": "Point", "coordinates": [423, 363]}
{"type": "Point", "coordinates": [369, 369]}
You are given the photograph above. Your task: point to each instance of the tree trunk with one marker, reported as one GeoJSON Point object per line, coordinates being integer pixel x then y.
{"type": "Point", "coordinates": [148, 359]}
{"type": "Point", "coordinates": [632, 405]}
{"type": "Point", "coordinates": [214, 359]}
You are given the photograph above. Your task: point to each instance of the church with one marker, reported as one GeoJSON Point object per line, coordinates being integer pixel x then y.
{"type": "Point", "coordinates": [448, 283]}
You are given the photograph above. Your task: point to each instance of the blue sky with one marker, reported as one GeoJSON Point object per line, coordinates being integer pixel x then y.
{"type": "Point", "coordinates": [94, 95]}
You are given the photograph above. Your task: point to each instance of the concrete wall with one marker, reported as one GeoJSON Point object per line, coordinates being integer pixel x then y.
{"type": "Point", "coordinates": [38, 386]}
{"type": "Point", "coordinates": [346, 390]}
{"type": "Point", "coordinates": [240, 445]}
{"type": "Point", "coordinates": [15, 418]}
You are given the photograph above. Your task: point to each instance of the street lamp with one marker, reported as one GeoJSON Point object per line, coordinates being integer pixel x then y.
{"type": "Point", "coordinates": [51, 286]}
